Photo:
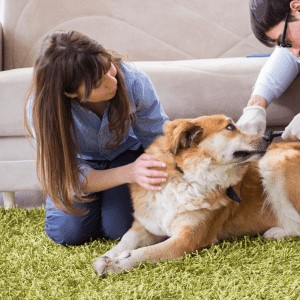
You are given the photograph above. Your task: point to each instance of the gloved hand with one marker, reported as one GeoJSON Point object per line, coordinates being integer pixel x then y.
{"type": "Point", "coordinates": [253, 119]}
{"type": "Point", "coordinates": [292, 131]}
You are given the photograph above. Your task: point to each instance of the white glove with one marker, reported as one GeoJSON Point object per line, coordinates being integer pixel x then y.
{"type": "Point", "coordinates": [292, 131]}
{"type": "Point", "coordinates": [253, 119]}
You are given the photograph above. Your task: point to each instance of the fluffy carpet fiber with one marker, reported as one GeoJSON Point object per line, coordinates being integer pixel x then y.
{"type": "Point", "coordinates": [33, 267]}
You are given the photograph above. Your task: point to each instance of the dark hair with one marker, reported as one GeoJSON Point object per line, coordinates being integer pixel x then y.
{"type": "Point", "coordinates": [265, 14]}
{"type": "Point", "coordinates": [65, 61]}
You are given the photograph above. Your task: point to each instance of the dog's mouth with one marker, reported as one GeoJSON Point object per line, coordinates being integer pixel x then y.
{"type": "Point", "coordinates": [244, 154]}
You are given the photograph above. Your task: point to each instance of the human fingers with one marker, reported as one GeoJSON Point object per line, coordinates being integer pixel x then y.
{"type": "Point", "coordinates": [149, 161]}
{"type": "Point", "coordinates": [290, 134]}
{"type": "Point", "coordinates": [150, 164]}
{"type": "Point", "coordinates": [150, 173]}
{"type": "Point", "coordinates": [149, 184]}
{"type": "Point", "coordinates": [292, 131]}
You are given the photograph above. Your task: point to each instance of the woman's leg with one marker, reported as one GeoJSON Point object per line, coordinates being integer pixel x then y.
{"type": "Point", "coordinates": [69, 229]}
{"type": "Point", "coordinates": [109, 215]}
{"type": "Point", "coordinates": [117, 212]}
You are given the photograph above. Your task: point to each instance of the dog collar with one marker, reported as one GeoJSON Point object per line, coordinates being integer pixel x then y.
{"type": "Point", "coordinates": [232, 194]}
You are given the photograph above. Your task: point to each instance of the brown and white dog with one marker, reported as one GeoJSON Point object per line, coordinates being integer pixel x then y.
{"type": "Point", "coordinates": [206, 158]}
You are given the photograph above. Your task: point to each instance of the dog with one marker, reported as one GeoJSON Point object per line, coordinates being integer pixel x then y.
{"type": "Point", "coordinates": [211, 165]}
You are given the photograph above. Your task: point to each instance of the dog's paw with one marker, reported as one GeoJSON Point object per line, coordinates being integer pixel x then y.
{"type": "Point", "coordinates": [276, 233]}
{"type": "Point", "coordinates": [105, 264]}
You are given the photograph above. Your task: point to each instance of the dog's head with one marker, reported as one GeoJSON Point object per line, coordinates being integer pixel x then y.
{"type": "Point", "coordinates": [216, 137]}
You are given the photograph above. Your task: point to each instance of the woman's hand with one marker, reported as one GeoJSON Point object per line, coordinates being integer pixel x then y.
{"type": "Point", "coordinates": [253, 119]}
{"type": "Point", "coordinates": [144, 172]}
{"type": "Point", "coordinates": [292, 131]}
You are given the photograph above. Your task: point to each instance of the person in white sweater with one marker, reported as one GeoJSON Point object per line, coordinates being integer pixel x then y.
{"type": "Point", "coordinates": [274, 23]}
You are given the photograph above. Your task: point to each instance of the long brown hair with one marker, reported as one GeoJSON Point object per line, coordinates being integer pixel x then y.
{"type": "Point", "coordinates": [66, 60]}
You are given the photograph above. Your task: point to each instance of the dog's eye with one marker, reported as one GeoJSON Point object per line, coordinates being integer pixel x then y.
{"type": "Point", "coordinates": [231, 127]}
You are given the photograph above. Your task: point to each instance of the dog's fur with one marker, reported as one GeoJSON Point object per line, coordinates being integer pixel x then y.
{"type": "Point", "coordinates": [204, 157]}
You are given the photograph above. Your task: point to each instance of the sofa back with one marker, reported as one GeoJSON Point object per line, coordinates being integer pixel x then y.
{"type": "Point", "coordinates": [140, 29]}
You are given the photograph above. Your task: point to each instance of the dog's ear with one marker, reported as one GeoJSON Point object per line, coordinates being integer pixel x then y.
{"type": "Point", "coordinates": [184, 135]}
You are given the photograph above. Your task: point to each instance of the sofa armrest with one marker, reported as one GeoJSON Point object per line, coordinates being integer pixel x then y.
{"type": "Point", "coordinates": [13, 88]}
{"type": "Point", "coordinates": [1, 47]}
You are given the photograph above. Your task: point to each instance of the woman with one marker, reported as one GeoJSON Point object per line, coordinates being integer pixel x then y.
{"type": "Point", "coordinates": [92, 115]}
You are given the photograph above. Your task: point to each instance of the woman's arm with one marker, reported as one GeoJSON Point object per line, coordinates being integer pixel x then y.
{"type": "Point", "coordinates": [140, 172]}
{"type": "Point", "coordinates": [258, 100]}
{"type": "Point", "coordinates": [275, 77]}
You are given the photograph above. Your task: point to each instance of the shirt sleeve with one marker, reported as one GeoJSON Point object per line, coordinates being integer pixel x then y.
{"type": "Point", "coordinates": [83, 169]}
{"type": "Point", "coordinates": [277, 74]}
{"type": "Point", "coordinates": [150, 116]}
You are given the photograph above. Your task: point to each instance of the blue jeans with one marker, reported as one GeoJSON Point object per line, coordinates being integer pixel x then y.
{"type": "Point", "coordinates": [109, 215]}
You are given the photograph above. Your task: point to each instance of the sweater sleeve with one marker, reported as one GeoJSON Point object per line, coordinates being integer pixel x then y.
{"type": "Point", "coordinates": [277, 74]}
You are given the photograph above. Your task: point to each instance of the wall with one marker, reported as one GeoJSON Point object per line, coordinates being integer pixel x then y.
{"type": "Point", "coordinates": [1, 10]}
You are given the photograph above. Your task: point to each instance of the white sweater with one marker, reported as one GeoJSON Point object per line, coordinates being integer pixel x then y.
{"type": "Point", "coordinates": [277, 74]}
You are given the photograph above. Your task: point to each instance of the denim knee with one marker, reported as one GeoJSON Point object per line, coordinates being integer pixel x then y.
{"type": "Point", "coordinates": [113, 231]}
{"type": "Point", "coordinates": [66, 234]}
{"type": "Point", "coordinates": [67, 229]}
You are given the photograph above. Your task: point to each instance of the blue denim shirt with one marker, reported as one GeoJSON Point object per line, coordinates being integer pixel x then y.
{"type": "Point", "coordinates": [93, 132]}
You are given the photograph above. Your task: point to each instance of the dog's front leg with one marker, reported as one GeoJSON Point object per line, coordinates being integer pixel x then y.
{"type": "Point", "coordinates": [136, 236]}
{"type": "Point", "coordinates": [183, 242]}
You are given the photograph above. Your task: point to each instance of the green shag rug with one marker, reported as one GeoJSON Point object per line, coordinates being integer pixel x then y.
{"type": "Point", "coordinates": [33, 267]}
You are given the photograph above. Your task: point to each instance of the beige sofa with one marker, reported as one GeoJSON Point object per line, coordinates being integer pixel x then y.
{"type": "Point", "coordinates": [194, 51]}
